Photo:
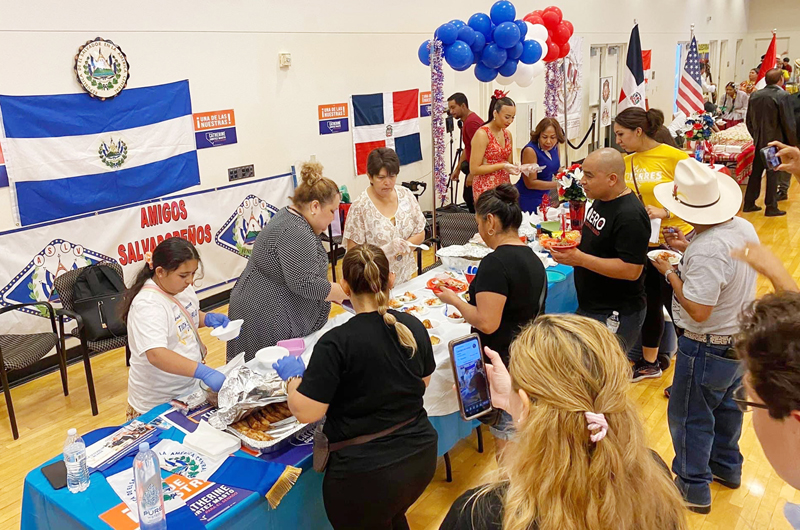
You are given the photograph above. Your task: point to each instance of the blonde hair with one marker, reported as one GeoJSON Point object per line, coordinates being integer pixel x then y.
{"type": "Point", "coordinates": [366, 269]}
{"type": "Point", "coordinates": [313, 186]}
{"type": "Point", "coordinates": [554, 474]}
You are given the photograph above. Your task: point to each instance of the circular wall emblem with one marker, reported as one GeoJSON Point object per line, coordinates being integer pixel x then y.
{"type": "Point", "coordinates": [102, 68]}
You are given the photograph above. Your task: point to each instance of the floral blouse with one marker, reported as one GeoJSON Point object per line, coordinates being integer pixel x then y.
{"type": "Point", "coordinates": [366, 224]}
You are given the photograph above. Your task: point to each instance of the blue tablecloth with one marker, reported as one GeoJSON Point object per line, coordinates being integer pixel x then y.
{"type": "Point", "coordinates": [561, 294]}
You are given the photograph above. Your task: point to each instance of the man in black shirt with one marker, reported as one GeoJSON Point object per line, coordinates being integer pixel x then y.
{"type": "Point", "coordinates": [613, 251]}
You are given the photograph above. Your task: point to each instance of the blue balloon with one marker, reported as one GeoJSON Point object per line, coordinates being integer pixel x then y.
{"type": "Point", "coordinates": [447, 33]}
{"type": "Point", "coordinates": [494, 56]}
{"type": "Point", "coordinates": [509, 68]}
{"type": "Point", "coordinates": [531, 52]}
{"type": "Point", "coordinates": [458, 23]}
{"type": "Point", "coordinates": [503, 11]}
{"type": "Point", "coordinates": [458, 55]}
{"type": "Point", "coordinates": [424, 53]}
{"type": "Point", "coordinates": [506, 35]}
{"type": "Point", "coordinates": [515, 52]}
{"type": "Point", "coordinates": [523, 28]}
{"type": "Point", "coordinates": [467, 34]}
{"type": "Point", "coordinates": [490, 36]}
{"type": "Point", "coordinates": [484, 73]}
{"type": "Point", "coordinates": [477, 57]}
{"type": "Point", "coordinates": [481, 23]}
{"type": "Point", "coordinates": [480, 42]}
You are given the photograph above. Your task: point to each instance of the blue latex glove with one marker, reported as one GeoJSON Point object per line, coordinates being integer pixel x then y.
{"type": "Point", "coordinates": [215, 320]}
{"type": "Point", "coordinates": [212, 378]}
{"type": "Point", "coordinates": [289, 366]}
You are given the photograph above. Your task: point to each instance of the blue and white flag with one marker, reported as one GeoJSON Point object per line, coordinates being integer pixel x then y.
{"type": "Point", "coordinates": [633, 84]}
{"type": "Point", "coordinates": [72, 154]}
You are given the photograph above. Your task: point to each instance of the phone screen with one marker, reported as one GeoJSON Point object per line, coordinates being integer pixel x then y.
{"type": "Point", "coordinates": [470, 374]}
{"type": "Point", "coordinates": [771, 157]}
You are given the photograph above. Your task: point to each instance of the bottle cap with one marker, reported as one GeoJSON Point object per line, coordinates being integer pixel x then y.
{"type": "Point", "coordinates": [144, 447]}
{"type": "Point", "coordinates": [72, 432]}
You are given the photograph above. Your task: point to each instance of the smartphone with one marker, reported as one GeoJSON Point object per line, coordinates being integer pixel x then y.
{"type": "Point", "coordinates": [770, 154]}
{"type": "Point", "coordinates": [469, 371]}
{"type": "Point", "coordinates": [56, 474]}
{"type": "Point", "coordinates": [348, 306]}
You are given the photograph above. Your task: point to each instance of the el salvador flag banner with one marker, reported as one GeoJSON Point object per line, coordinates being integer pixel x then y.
{"type": "Point", "coordinates": [390, 119]}
{"type": "Point", "coordinates": [71, 154]}
{"type": "Point", "coordinates": [632, 93]}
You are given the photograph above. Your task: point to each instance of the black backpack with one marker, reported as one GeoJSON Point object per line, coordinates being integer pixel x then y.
{"type": "Point", "coordinates": [97, 297]}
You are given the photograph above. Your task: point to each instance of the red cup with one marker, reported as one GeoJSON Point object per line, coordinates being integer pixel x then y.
{"type": "Point", "coordinates": [469, 277]}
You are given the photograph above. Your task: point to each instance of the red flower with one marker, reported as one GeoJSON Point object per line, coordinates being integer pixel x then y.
{"type": "Point", "coordinates": [698, 126]}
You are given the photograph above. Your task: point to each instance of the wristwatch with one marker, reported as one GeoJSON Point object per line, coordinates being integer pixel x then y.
{"type": "Point", "coordinates": [669, 215]}
{"type": "Point", "coordinates": [666, 274]}
{"type": "Point", "coordinates": [286, 383]}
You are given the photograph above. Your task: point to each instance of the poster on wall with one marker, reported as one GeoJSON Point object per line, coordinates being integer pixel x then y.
{"type": "Point", "coordinates": [222, 223]}
{"type": "Point", "coordinates": [213, 129]}
{"type": "Point", "coordinates": [425, 101]}
{"type": "Point", "coordinates": [606, 89]}
{"type": "Point", "coordinates": [574, 92]}
{"type": "Point", "coordinates": [333, 118]}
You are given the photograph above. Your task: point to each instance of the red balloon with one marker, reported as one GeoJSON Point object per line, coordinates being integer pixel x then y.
{"type": "Point", "coordinates": [533, 19]}
{"type": "Point", "coordinates": [563, 51]}
{"type": "Point", "coordinates": [569, 26]}
{"type": "Point", "coordinates": [556, 10]}
{"type": "Point", "coordinates": [560, 35]}
{"type": "Point", "coordinates": [551, 19]}
{"type": "Point", "coordinates": [552, 51]}
{"type": "Point", "coordinates": [537, 12]}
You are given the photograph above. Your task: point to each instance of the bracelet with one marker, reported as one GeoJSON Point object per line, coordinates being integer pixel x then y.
{"type": "Point", "coordinates": [669, 215]}
{"type": "Point", "coordinates": [666, 274]}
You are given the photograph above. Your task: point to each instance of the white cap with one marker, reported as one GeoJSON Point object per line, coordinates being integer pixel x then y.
{"type": "Point", "coordinates": [144, 447]}
{"type": "Point", "coordinates": [72, 432]}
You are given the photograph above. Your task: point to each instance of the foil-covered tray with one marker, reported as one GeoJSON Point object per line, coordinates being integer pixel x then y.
{"type": "Point", "coordinates": [243, 391]}
{"type": "Point", "coordinates": [294, 431]}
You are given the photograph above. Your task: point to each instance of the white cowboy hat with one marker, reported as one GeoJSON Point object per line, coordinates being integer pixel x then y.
{"type": "Point", "coordinates": [700, 195]}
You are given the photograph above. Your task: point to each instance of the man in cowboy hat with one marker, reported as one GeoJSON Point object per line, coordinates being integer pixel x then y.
{"type": "Point", "coordinates": [710, 290]}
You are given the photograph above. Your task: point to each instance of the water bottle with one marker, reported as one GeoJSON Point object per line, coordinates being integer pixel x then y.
{"type": "Point", "coordinates": [75, 460]}
{"type": "Point", "coordinates": [612, 322]}
{"type": "Point", "coordinates": [699, 152]}
{"type": "Point", "coordinates": [149, 492]}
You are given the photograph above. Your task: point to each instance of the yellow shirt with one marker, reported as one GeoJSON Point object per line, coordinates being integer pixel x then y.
{"type": "Point", "coordinates": [654, 167]}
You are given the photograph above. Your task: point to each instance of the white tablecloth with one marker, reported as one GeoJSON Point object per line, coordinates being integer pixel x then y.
{"type": "Point", "coordinates": [440, 398]}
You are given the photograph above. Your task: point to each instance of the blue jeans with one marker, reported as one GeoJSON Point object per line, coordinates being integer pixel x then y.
{"type": "Point", "coordinates": [629, 325]}
{"type": "Point", "coordinates": [505, 430]}
{"type": "Point", "coordinates": [704, 421]}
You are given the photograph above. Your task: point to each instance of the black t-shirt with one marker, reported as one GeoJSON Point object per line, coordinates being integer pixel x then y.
{"type": "Point", "coordinates": [613, 229]}
{"type": "Point", "coordinates": [371, 383]}
{"type": "Point", "coordinates": [515, 272]}
{"type": "Point", "coordinates": [484, 512]}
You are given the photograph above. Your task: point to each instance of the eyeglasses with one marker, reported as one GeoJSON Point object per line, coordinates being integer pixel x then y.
{"type": "Point", "coordinates": [740, 398]}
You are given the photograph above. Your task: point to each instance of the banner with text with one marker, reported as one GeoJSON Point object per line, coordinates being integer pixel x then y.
{"type": "Point", "coordinates": [216, 128]}
{"type": "Point", "coordinates": [223, 223]}
{"type": "Point", "coordinates": [333, 118]}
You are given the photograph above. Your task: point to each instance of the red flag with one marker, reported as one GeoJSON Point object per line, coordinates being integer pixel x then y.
{"type": "Point", "coordinates": [767, 64]}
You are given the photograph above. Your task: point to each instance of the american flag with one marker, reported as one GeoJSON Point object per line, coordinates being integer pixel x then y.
{"type": "Point", "coordinates": [690, 95]}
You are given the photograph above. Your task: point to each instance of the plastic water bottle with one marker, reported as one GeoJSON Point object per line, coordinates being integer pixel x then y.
{"type": "Point", "coordinates": [149, 492]}
{"type": "Point", "coordinates": [612, 322]}
{"type": "Point", "coordinates": [75, 460]}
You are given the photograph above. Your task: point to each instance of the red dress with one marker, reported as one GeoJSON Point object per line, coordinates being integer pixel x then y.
{"type": "Point", "coordinates": [495, 154]}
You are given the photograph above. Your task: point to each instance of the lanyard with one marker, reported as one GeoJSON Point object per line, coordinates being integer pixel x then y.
{"type": "Point", "coordinates": [203, 349]}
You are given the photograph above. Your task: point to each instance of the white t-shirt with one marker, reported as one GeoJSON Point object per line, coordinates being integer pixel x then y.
{"type": "Point", "coordinates": [155, 322]}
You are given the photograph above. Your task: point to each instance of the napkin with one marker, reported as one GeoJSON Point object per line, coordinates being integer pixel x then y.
{"type": "Point", "coordinates": [655, 230]}
{"type": "Point", "coordinates": [211, 442]}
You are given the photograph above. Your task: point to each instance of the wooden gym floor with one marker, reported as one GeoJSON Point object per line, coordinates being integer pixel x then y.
{"type": "Point", "coordinates": [44, 415]}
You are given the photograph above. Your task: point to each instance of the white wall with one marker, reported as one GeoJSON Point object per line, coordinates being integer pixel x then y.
{"type": "Point", "coordinates": [781, 15]}
{"type": "Point", "coordinates": [228, 51]}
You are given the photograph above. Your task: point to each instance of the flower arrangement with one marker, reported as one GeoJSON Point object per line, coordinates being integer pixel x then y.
{"type": "Point", "coordinates": [700, 127]}
{"type": "Point", "coordinates": [569, 184]}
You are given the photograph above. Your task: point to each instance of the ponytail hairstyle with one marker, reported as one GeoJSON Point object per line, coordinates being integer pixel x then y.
{"type": "Point", "coordinates": [649, 121]}
{"type": "Point", "coordinates": [503, 203]}
{"type": "Point", "coordinates": [314, 186]}
{"type": "Point", "coordinates": [366, 269]}
{"type": "Point", "coordinates": [555, 477]}
{"type": "Point", "coordinates": [497, 105]}
{"type": "Point", "coordinates": [169, 255]}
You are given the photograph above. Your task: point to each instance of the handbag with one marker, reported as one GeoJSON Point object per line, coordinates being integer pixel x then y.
{"type": "Point", "coordinates": [323, 449]}
{"type": "Point", "coordinates": [97, 295]}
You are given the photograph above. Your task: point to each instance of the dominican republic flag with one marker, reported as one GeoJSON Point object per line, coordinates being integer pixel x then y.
{"type": "Point", "coordinates": [767, 64]}
{"type": "Point", "coordinates": [632, 93]}
{"type": "Point", "coordinates": [71, 154]}
{"type": "Point", "coordinates": [390, 119]}
{"type": "Point", "coordinates": [3, 172]}
{"type": "Point", "coordinates": [690, 94]}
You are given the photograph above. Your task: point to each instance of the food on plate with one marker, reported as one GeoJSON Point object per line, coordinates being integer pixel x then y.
{"type": "Point", "coordinates": [437, 284]}
{"type": "Point", "coordinates": [427, 323]}
{"type": "Point", "coordinates": [433, 302]}
{"type": "Point", "coordinates": [394, 303]}
{"type": "Point", "coordinates": [435, 340]}
{"type": "Point", "coordinates": [259, 422]}
{"type": "Point", "coordinates": [570, 240]}
{"type": "Point", "coordinates": [407, 297]}
{"type": "Point", "coordinates": [414, 309]}
{"type": "Point", "coordinates": [666, 256]}
{"type": "Point", "coordinates": [455, 315]}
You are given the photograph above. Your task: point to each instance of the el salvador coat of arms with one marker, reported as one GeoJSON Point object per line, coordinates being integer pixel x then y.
{"type": "Point", "coordinates": [102, 68]}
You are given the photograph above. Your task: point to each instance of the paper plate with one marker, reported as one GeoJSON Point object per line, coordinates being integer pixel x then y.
{"type": "Point", "coordinates": [229, 332]}
{"type": "Point", "coordinates": [554, 276]}
{"type": "Point", "coordinates": [674, 257]}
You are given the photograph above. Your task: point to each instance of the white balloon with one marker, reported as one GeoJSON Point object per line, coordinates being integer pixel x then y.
{"type": "Point", "coordinates": [537, 32]}
{"type": "Point", "coordinates": [543, 44]}
{"type": "Point", "coordinates": [538, 68]}
{"type": "Point", "coordinates": [524, 75]}
{"type": "Point", "coordinates": [505, 81]}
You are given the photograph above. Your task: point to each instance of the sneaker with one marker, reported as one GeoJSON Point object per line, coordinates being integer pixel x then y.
{"type": "Point", "coordinates": [773, 212]}
{"type": "Point", "coordinates": [726, 483]}
{"type": "Point", "coordinates": [645, 370]}
{"type": "Point", "coordinates": [664, 361]}
{"type": "Point", "coordinates": [782, 196]}
{"type": "Point", "coordinates": [702, 509]}
{"type": "Point", "coordinates": [751, 208]}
